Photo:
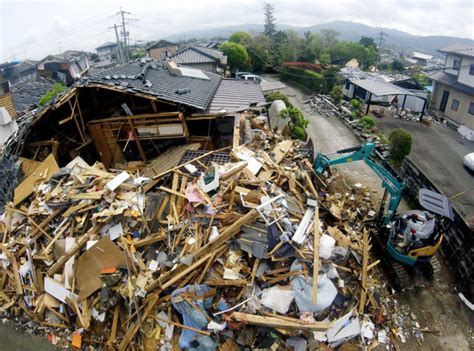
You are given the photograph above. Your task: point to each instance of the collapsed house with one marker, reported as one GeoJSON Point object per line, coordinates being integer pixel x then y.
{"type": "Point", "coordinates": [136, 111]}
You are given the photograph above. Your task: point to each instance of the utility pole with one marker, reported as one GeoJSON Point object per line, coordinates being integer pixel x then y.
{"type": "Point", "coordinates": [125, 33]}
{"type": "Point", "coordinates": [119, 44]}
{"type": "Point", "coordinates": [382, 34]}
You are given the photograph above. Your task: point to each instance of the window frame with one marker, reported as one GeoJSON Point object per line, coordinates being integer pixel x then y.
{"type": "Point", "coordinates": [457, 105]}
{"type": "Point", "coordinates": [457, 66]}
{"type": "Point", "coordinates": [471, 69]}
{"type": "Point", "coordinates": [470, 110]}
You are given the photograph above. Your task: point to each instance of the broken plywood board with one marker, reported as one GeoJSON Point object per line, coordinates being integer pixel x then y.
{"type": "Point", "coordinates": [166, 161]}
{"type": "Point", "coordinates": [43, 172]}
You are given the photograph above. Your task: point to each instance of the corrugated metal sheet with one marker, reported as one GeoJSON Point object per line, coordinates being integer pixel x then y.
{"type": "Point", "coordinates": [380, 88]}
{"type": "Point", "coordinates": [236, 94]}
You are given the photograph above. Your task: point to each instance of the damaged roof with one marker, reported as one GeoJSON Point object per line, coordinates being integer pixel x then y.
{"type": "Point", "coordinates": [236, 95]}
{"type": "Point", "coordinates": [459, 49]}
{"type": "Point", "coordinates": [154, 78]}
{"type": "Point", "coordinates": [27, 94]}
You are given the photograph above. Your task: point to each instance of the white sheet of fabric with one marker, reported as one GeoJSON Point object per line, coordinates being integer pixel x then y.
{"type": "Point", "coordinates": [277, 299]}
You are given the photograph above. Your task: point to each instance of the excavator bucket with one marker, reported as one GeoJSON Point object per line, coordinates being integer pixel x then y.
{"type": "Point", "coordinates": [435, 203]}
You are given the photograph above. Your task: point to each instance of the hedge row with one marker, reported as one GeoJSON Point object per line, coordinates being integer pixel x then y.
{"type": "Point", "coordinates": [309, 79]}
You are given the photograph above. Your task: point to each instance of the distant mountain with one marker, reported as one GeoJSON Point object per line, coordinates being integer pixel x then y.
{"type": "Point", "coordinates": [351, 31]}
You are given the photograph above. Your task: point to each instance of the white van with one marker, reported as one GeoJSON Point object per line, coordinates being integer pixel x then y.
{"type": "Point", "coordinates": [253, 77]}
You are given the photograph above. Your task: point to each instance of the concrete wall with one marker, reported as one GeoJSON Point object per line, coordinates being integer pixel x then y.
{"type": "Point", "coordinates": [448, 68]}
{"type": "Point", "coordinates": [210, 67]}
{"type": "Point", "coordinates": [464, 76]}
{"type": "Point", "coordinates": [161, 53]}
{"type": "Point", "coordinates": [459, 117]}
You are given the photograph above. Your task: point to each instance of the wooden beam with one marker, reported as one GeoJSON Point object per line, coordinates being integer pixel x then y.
{"type": "Point", "coordinates": [365, 259]}
{"type": "Point", "coordinates": [275, 322]}
{"type": "Point", "coordinates": [314, 295]}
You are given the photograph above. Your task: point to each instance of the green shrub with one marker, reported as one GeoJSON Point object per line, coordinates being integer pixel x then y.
{"type": "Point", "coordinates": [400, 145]}
{"type": "Point", "coordinates": [279, 96]}
{"type": "Point", "coordinates": [357, 107]}
{"type": "Point", "coordinates": [367, 122]}
{"type": "Point", "coordinates": [336, 94]}
{"type": "Point", "coordinates": [309, 79]}
{"type": "Point", "coordinates": [298, 122]}
{"type": "Point", "coordinates": [50, 95]}
{"type": "Point", "coordinates": [383, 138]}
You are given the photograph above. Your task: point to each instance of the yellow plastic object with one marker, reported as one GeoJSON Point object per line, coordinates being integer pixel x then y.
{"type": "Point", "coordinates": [426, 251]}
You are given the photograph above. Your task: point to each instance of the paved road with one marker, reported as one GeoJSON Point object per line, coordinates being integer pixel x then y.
{"type": "Point", "coordinates": [438, 151]}
{"type": "Point", "coordinates": [330, 134]}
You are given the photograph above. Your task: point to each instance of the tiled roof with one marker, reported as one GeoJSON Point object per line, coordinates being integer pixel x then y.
{"type": "Point", "coordinates": [153, 78]}
{"type": "Point", "coordinates": [450, 80]}
{"type": "Point", "coordinates": [460, 49]}
{"type": "Point", "coordinates": [27, 94]}
{"type": "Point", "coordinates": [161, 44]}
{"type": "Point", "coordinates": [236, 95]}
{"type": "Point", "coordinates": [197, 55]}
{"type": "Point", "coordinates": [106, 45]}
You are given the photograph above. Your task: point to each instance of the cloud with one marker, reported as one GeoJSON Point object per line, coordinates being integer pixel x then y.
{"type": "Point", "coordinates": [38, 28]}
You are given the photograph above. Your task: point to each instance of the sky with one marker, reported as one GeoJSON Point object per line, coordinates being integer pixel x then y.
{"type": "Point", "coordinates": [33, 29]}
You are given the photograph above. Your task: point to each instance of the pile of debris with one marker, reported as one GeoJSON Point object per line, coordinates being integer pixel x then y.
{"type": "Point", "coordinates": [196, 250]}
{"type": "Point", "coordinates": [323, 105]}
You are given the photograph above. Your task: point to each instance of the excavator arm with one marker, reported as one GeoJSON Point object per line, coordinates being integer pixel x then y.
{"type": "Point", "coordinates": [390, 183]}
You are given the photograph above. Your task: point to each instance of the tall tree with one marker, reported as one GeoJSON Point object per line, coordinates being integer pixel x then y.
{"type": "Point", "coordinates": [270, 26]}
{"type": "Point", "coordinates": [329, 37]}
{"type": "Point", "coordinates": [367, 41]}
{"type": "Point", "coordinates": [240, 37]}
{"type": "Point", "coordinates": [237, 56]}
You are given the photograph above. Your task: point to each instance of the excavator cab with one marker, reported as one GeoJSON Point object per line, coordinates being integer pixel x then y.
{"type": "Point", "coordinates": [416, 235]}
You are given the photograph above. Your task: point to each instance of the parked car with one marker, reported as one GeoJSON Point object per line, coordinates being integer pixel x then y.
{"type": "Point", "coordinates": [469, 161]}
{"type": "Point", "coordinates": [253, 77]}
{"type": "Point", "coordinates": [239, 75]}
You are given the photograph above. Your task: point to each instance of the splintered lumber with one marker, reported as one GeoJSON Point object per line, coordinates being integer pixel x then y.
{"type": "Point", "coordinates": [314, 296]}
{"type": "Point", "coordinates": [71, 252]}
{"type": "Point", "coordinates": [16, 274]}
{"type": "Point", "coordinates": [274, 322]}
{"type": "Point", "coordinates": [365, 259]}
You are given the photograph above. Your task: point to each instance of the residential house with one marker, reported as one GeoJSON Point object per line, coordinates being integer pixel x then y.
{"type": "Point", "coordinates": [162, 50]}
{"type": "Point", "coordinates": [19, 71]}
{"type": "Point", "coordinates": [202, 58]}
{"type": "Point", "coordinates": [418, 59]}
{"type": "Point", "coordinates": [405, 94]}
{"type": "Point", "coordinates": [66, 67]}
{"type": "Point", "coordinates": [108, 53]}
{"type": "Point", "coordinates": [137, 110]}
{"type": "Point", "coordinates": [453, 90]}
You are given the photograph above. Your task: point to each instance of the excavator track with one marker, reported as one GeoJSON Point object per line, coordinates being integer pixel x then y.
{"type": "Point", "coordinates": [401, 279]}
{"type": "Point", "coordinates": [436, 265]}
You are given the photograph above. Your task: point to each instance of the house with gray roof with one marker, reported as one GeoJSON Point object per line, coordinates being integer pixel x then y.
{"type": "Point", "coordinates": [137, 110]}
{"type": "Point", "coordinates": [202, 58]}
{"type": "Point", "coordinates": [161, 49]}
{"type": "Point", "coordinates": [453, 90]}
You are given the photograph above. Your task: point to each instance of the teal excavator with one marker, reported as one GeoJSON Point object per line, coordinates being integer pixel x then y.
{"type": "Point", "coordinates": [407, 242]}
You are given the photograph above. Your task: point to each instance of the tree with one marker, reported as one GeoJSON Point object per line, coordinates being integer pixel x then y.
{"type": "Point", "coordinates": [400, 145]}
{"type": "Point", "coordinates": [260, 50]}
{"type": "Point", "coordinates": [270, 26]}
{"type": "Point", "coordinates": [237, 56]}
{"type": "Point", "coordinates": [240, 37]}
{"type": "Point", "coordinates": [298, 122]}
{"type": "Point", "coordinates": [324, 58]}
{"type": "Point", "coordinates": [51, 94]}
{"type": "Point", "coordinates": [397, 66]}
{"type": "Point", "coordinates": [329, 37]}
{"type": "Point", "coordinates": [367, 41]}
